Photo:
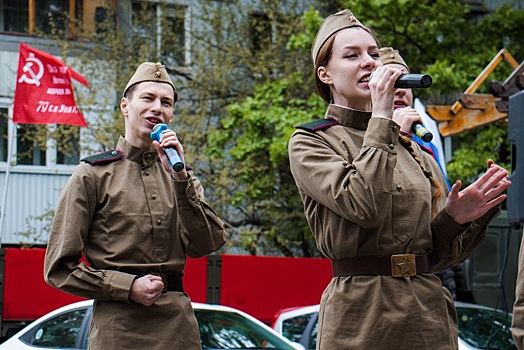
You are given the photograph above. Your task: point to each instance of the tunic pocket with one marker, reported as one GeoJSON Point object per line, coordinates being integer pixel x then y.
{"type": "Point", "coordinates": [402, 230]}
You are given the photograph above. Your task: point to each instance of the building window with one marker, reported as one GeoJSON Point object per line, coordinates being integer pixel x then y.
{"type": "Point", "coordinates": [27, 152]}
{"type": "Point", "coordinates": [260, 32]}
{"type": "Point", "coordinates": [3, 134]}
{"type": "Point", "coordinates": [163, 26]}
{"type": "Point", "coordinates": [15, 16]}
{"type": "Point", "coordinates": [31, 16]}
{"type": "Point", "coordinates": [144, 25]}
{"type": "Point", "coordinates": [68, 145]}
{"type": "Point", "coordinates": [173, 35]}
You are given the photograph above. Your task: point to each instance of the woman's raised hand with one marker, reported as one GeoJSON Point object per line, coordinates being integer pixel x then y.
{"type": "Point", "coordinates": [479, 197]}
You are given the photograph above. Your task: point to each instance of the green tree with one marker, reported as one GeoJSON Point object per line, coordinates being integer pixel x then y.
{"type": "Point", "coordinates": [436, 37]}
{"type": "Point", "coordinates": [248, 147]}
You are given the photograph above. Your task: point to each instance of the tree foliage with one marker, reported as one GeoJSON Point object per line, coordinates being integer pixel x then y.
{"type": "Point", "coordinates": [441, 38]}
{"type": "Point", "coordinates": [249, 81]}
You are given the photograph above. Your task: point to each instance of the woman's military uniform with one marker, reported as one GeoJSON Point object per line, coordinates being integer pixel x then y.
{"type": "Point", "coordinates": [366, 199]}
{"type": "Point", "coordinates": [128, 217]}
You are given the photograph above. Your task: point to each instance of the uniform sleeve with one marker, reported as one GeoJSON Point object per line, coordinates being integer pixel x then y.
{"type": "Point", "coordinates": [358, 189]}
{"type": "Point", "coordinates": [201, 229]}
{"type": "Point", "coordinates": [63, 268]}
{"type": "Point", "coordinates": [517, 325]}
{"type": "Point", "coordinates": [453, 243]}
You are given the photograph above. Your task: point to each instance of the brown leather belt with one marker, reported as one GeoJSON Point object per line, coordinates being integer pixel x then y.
{"type": "Point", "coordinates": [399, 265]}
{"type": "Point", "coordinates": [172, 283]}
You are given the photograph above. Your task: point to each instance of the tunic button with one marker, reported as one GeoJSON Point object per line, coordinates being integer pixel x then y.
{"type": "Point", "coordinates": [159, 222]}
{"type": "Point", "coordinates": [153, 196]}
{"type": "Point", "coordinates": [391, 146]}
{"type": "Point", "coordinates": [399, 188]}
{"type": "Point", "coordinates": [147, 172]}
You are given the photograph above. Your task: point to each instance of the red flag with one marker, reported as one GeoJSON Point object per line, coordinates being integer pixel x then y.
{"type": "Point", "coordinates": [44, 94]}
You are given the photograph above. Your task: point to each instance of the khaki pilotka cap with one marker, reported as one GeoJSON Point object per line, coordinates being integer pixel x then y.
{"type": "Point", "coordinates": [388, 55]}
{"type": "Point", "coordinates": [331, 25]}
{"type": "Point", "coordinates": [149, 71]}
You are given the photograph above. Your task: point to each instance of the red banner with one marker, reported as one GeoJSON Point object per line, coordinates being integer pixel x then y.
{"type": "Point", "coordinates": [44, 94]}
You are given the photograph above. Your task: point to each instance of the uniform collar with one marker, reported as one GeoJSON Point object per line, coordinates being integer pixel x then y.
{"type": "Point", "coordinates": [348, 117]}
{"type": "Point", "coordinates": [135, 154]}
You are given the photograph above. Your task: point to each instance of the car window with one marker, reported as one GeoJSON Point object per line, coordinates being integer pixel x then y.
{"type": "Point", "coordinates": [294, 327]}
{"type": "Point", "coordinates": [59, 332]}
{"type": "Point", "coordinates": [228, 330]}
{"type": "Point", "coordinates": [485, 329]}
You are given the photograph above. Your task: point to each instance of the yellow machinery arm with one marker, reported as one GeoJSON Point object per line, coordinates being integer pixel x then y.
{"type": "Point", "coordinates": [473, 110]}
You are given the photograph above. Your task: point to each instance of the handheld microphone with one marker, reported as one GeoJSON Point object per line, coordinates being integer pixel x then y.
{"type": "Point", "coordinates": [410, 81]}
{"type": "Point", "coordinates": [419, 130]}
{"type": "Point", "coordinates": [172, 154]}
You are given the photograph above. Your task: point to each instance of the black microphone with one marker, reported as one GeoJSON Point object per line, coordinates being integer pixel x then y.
{"type": "Point", "coordinates": [419, 130]}
{"type": "Point", "coordinates": [172, 154]}
{"type": "Point", "coordinates": [410, 81]}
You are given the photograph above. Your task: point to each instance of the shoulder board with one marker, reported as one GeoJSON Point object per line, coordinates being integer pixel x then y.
{"type": "Point", "coordinates": [320, 124]}
{"type": "Point", "coordinates": [104, 158]}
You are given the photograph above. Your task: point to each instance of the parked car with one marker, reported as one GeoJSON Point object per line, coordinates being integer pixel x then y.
{"type": "Point", "coordinates": [221, 327]}
{"type": "Point", "coordinates": [480, 327]}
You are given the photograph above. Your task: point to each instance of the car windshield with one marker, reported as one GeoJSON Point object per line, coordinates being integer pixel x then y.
{"type": "Point", "coordinates": [228, 330]}
{"type": "Point", "coordinates": [485, 329]}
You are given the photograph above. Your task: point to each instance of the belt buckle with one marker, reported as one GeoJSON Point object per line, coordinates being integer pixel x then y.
{"type": "Point", "coordinates": [403, 265]}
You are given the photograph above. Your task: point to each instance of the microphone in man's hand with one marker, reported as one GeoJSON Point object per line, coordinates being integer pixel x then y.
{"type": "Point", "coordinates": [419, 130]}
{"type": "Point", "coordinates": [172, 154]}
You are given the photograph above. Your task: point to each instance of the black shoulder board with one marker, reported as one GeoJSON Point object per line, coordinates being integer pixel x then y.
{"type": "Point", "coordinates": [320, 124]}
{"type": "Point", "coordinates": [104, 158]}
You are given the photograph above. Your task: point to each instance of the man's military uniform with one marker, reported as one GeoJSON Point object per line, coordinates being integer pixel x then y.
{"type": "Point", "coordinates": [126, 215]}
{"type": "Point", "coordinates": [366, 199]}
{"type": "Point", "coordinates": [129, 218]}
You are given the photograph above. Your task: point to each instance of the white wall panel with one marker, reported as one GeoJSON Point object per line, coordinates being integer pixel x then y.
{"type": "Point", "coordinates": [28, 195]}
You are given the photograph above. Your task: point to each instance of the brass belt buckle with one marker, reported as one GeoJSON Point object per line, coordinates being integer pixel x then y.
{"type": "Point", "coordinates": [403, 265]}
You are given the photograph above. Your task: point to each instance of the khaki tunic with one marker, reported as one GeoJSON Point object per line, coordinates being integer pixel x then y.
{"type": "Point", "coordinates": [364, 195]}
{"type": "Point", "coordinates": [129, 217]}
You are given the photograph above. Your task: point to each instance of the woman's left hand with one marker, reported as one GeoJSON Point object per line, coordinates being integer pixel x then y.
{"type": "Point", "coordinates": [479, 197]}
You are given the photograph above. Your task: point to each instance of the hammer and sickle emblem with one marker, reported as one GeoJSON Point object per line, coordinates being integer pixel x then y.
{"type": "Point", "coordinates": [30, 76]}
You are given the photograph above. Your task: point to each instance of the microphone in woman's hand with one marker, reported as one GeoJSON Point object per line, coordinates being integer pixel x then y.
{"type": "Point", "coordinates": [419, 130]}
{"type": "Point", "coordinates": [411, 81]}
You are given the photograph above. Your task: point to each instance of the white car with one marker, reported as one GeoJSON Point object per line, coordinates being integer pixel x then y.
{"type": "Point", "coordinates": [480, 327]}
{"type": "Point", "coordinates": [221, 327]}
